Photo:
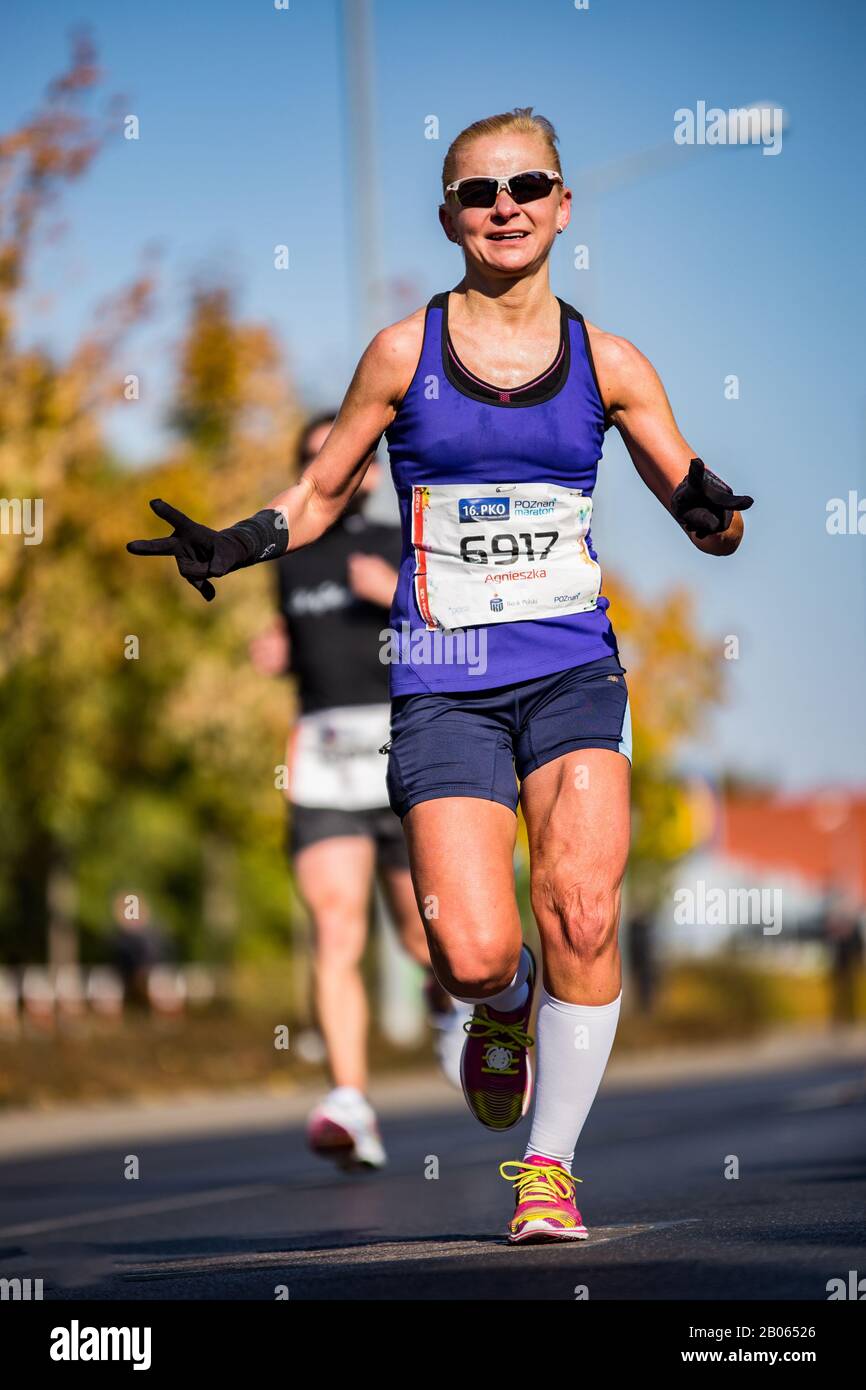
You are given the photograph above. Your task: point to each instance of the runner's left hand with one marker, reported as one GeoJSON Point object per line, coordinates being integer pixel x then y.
{"type": "Point", "coordinates": [704, 504]}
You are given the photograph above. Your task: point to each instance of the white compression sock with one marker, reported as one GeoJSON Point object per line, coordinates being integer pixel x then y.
{"type": "Point", "coordinates": [573, 1043]}
{"type": "Point", "coordinates": [514, 994]}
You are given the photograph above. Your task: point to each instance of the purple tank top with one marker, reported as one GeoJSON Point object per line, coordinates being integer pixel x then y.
{"type": "Point", "coordinates": [442, 434]}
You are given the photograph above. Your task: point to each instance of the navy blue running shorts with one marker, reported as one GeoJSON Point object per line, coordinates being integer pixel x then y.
{"type": "Point", "coordinates": [483, 742]}
{"type": "Point", "coordinates": [308, 825]}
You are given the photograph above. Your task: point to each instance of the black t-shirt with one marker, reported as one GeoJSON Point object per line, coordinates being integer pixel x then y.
{"type": "Point", "coordinates": [334, 635]}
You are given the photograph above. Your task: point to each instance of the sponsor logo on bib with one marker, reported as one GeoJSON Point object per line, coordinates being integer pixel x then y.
{"type": "Point", "coordinates": [534, 506]}
{"type": "Point", "coordinates": [484, 508]}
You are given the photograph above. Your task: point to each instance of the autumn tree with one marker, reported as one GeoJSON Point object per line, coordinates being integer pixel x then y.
{"type": "Point", "coordinates": [132, 733]}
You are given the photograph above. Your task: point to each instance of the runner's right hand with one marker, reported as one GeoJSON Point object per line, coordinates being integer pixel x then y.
{"type": "Point", "coordinates": [200, 553]}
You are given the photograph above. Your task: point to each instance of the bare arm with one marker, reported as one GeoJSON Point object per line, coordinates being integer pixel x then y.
{"type": "Point", "coordinates": [304, 512]}
{"type": "Point", "coordinates": [372, 578]}
{"type": "Point", "coordinates": [370, 404]}
{"type": "Point", "coordinates": [271, 650]}
{"type": "Point", "coordinates": [637, 405]}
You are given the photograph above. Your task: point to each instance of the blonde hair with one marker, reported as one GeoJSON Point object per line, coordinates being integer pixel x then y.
{"type": "Point", "coordinates": [520, 120]}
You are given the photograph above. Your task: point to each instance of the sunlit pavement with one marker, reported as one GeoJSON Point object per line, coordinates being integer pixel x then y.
{"type": "Point", "coordinates": [230, 1204]}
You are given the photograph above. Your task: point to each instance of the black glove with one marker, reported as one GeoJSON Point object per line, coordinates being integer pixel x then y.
{"type": "Point", "coordinates": [703, 503]}
{"type": "Point", "coordinates": [203, 554]}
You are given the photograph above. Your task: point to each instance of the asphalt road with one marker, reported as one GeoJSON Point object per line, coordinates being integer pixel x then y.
{"type": "Point", "coordinates": [237, 1214]}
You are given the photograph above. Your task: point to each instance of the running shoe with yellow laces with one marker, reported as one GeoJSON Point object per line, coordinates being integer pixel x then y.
{"type": "Point", "coordinates": [495, 1069]}
{"type": "Point", "coordinates": [545, 1209]}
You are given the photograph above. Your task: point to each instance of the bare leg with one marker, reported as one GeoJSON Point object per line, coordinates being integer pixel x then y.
{"type": "Point", "coordinates": [400, 896]}
{"type": "Point", "coordinates": [461, 851]}
{"type": "Point", "coordinates": [577, 818]}
{"type": "Point", "coordinates": [334, 878]}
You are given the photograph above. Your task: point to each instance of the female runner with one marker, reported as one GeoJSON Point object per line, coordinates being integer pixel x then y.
{"type": "Point", "coordinates": [506, 683]}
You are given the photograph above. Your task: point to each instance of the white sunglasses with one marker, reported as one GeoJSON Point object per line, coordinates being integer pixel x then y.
{"type": "Point", "coordinates": [525, 187]}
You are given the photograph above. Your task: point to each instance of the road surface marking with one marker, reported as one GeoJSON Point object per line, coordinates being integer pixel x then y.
{"type": "Point", "coordinates": [826, 1097]}
{"type": "Point", "coordinates": [159, 1204]}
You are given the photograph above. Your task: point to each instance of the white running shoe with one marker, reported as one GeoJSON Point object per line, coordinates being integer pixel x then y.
{"type": "Point", "coordinates": [449, 1037]}
{"type": "Point", "coordinates": [343, 1127]}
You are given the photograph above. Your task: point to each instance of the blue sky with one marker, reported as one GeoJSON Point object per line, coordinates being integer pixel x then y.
{"type": "Point", "coordinates": [727, 261]}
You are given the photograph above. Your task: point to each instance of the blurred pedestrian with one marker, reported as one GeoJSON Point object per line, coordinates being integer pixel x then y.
{"type": "Point", "coordinates": [334, 597]}
{"type": "Point", "coordinates": [840, 922]}
{"type": "Point", "coordinates": [642, 961]}
{"type": "Point", "coordinates": [137, 946]}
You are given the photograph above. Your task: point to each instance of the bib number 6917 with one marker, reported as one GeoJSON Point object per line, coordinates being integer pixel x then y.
{"type": "Point", "coordinates": [506, 548]}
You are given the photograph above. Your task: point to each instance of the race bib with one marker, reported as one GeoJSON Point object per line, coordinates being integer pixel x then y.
{"type": "Point", "coordinates": [335, 758]}
{"type": "Point", "coordinates": [501, 553]}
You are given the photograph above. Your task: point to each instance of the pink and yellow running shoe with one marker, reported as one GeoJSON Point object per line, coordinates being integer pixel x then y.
{"type": "Point", "coordinates": [495, 1069]}
{"type": "Point", "coordinates": [545, 1208]}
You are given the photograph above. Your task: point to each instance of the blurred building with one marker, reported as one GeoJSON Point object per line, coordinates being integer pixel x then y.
{"type": "Point", "coordinates": [773, 875]}
{"type": "Point", "coordinates": [813, 839]}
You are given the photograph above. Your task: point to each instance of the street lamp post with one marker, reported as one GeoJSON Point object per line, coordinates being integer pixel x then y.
{"type": "Point", "coordinates": [400, 1006]}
